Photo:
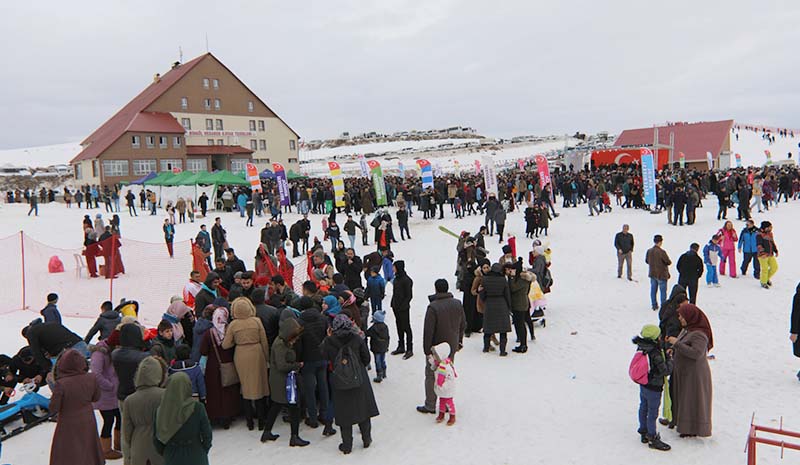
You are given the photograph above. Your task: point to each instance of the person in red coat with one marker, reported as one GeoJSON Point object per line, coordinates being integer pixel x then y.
{"type": "Point", "coordinates": [74, 389]}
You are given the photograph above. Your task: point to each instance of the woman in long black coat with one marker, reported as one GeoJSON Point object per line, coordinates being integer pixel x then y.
{"type": "Point", "coordinates": [497, 307]}
{"type": "Point", "coordinates": [795, 328]}
{"type": "Point", "coordinates": [351, 406]}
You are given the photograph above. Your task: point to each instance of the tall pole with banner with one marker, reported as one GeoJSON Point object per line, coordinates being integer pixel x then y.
{"type": "Point", "coordinates": [377, 181]}
{"type": "Point", "coordinates": [648, 177]}
{"type": "Point", "coordinates": [253, 178]}
{"type": "Point", "coordinates": [338, 183]}
{"type": "Point", "coordinates": [427, 173]}
{"type": "Point", "coordinates": [283, 184]}
{"type": "Point", "coordinates": [489, 175]}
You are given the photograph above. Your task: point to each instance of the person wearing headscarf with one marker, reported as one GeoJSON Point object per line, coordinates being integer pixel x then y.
{"type": "Point", "coordinates": [138, 412]}
{"type": "Point", "coordinates": [201, 326]}
{"type": "Point", "coordinates": [175, 314]}
{"type": "Point", "coordinates": [692, 387]}
{"type": "Point", "coordinates": [331, 306]}
{"type": "Point", "coordinates": [223, 403]}
{"type": "Point", "coordinates": [247, 335]}
{"type": "Point", "coordinates": [182, 430]}
{"type": "Point", "coordinates": [74, 389]}
{"type": "Point", "coordinates": [794, 330]}
{"type": "Point", "coordinates": [283, 360]}
{"type": "Point", "coordinates": [100, 365]}
{"type": "Point", "coordinates": [351, 406]}
{"type": "Point", "coordinates": [126, 358]}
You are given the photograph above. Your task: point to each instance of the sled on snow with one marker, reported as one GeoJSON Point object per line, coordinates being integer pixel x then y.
{"type": "Point", "coordinates": [31, 410]}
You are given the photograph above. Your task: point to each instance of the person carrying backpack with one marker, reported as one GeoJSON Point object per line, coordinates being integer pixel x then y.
{"type": "Point", "coordinates": [347, 355]}
{"type": "Point", "coordinates": [649, 368]}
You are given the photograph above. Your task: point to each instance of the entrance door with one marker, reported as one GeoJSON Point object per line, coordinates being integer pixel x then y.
{"type": "Point", "coordinates": [219, 162]}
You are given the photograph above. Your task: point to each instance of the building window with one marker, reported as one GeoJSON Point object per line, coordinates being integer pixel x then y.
{"type": "Point", "coordinates": [115, 168]}
{"type": "Point", "coordinates": [169, 164]}
{"type": "Point", "coordinates": [292, 145]}
{"type": "Point", "coordinates": [220, 142]}
{"type": "Point", "coordinates": [209, 124]}
{"type": "Point", "coordinates": [205, 83]}
{"type": "Point", "coordinates": [143, 167]}
{"type": "Point", "coordinates": [253, 144]}
{"type": "Point", "coordinates": [176, 141]}
{"type": "Point", "coordinates": [151, 141]}
{"type": "Point", "coordinates": [262, 126]}
{"type": "Point", "coordinates": [186, 123]}
{"type": "Point", "coordinates": [292, 160]}
{"type": "Point", "coordinates": [215, 83]}
{"type": "Point", "coordinates": [79, 171]}
{"type": "Point", "coordinates": [196, 165]}
{"type": "Point", "coordinates": [217, 104]}
{"type": "Point", "coordinates": [135, 141]}
{"type": "Point", "coordinates": [262, 144]}
{"type": "Point", "coordinates": [184, 103]}
{"type": "Point", "coordinates": [252, 125]}
{"type": "Point", "coordinates": [238, 165]}
{"type": "Point", "coordinates": [250, 106]}
{"type": "Point", "coordinates": [210, 141]}
{"type": "Point", "coordinates": [261, 160]}
{"type": "Point", "coordinates": [207, 103]}
{"type": "Point", "coordinates": [219, 125]}
{"type": "Point", "coordinates": [162, 142]}
{"type": "Point", "coordinates": [95, 168]}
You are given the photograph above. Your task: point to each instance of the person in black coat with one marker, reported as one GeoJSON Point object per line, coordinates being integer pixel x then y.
{"type": "Point", "coordinates": [48, 340]}
{"type": "Point", "coordinates": [497, 313]}
{"type": "Point", "coordinates": [351, 268]}
{"type": "Point", "coordinates": [105, 323]}
{"type": "Point", "coordinates": [126, 358]}
{"type": "Point", "coordinates": [794, 330]}
{"type": "Point", "coordinates": [353, 406]}
{"type": "Point", "coordinates": [314, 372]}
{"type": "Point", "coordinates": [378, 335]}
{"type": "Point", "coordinates": [402, 294]}
{"type": "Point", "coordinates": [690, 269]}
{"type": "Point", "coordinates": [207, 294]}
{"type": "Point", "coordinates": [678, 205]}
{"type": "Point", "coordinates": [668, 315]}
{"type": "Point", "coordinates": [219, 237]}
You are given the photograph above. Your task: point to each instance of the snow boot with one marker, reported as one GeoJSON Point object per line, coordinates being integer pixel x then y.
{"type": "Point", "coordinates": [655, 442]}
{"type": "Point", "coordinates": [108, 452]}
{"type": "Point", "coordinates": [117, 441]}
{"type": "Point", "coordinates": [297, 441]}
{"type": "Point", "coordinates": [452, 420]}
{"type": "Point", "coordinates": [378, 378]}
{"type": "Point", "coordinates": [440, 417]}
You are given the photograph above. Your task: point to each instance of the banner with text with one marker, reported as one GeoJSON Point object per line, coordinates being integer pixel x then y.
{"type": "Point", "coordinates": [338, 183]}
{"type": "Point", "coordinates": [710, 160]}
{"type": "Point", "coordinates": [544, 172]}
{"type": "Point", "coordinates": [477, 167]}
{"type": "Point", "coordinates": [738, 160]}
{"type": "Point", "coordinates": [427, 173]}
{"type": "Point", "coordinates": [402, 168]}
{"type": "Point", "coordinates": [682, 160]}
{"type": "Point", "coordinates": [283, 184]}
{"type": "Point", "coordinates": [489, 175]}
{"type": "Point", "coordinates": [376, 172]}
{"type": "Point", "coordinates": [363, 163]}
{"type": "Point", "coordinates": [252, 177]}
{"type": "Point", "coordinates": [769, 156]}
{"type": "Point", "coordinates": [648, 177]}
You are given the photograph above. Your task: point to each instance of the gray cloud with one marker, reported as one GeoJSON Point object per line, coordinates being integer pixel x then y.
{"type": "Point", "coordinates": [504, 67]}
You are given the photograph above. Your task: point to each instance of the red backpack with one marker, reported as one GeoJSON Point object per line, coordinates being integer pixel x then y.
{"type": "Point", "coordinates": [639, 368]}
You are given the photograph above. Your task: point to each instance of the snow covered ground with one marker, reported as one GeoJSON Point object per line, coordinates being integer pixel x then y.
{"type": "Point", "coordinates": [567, 401]}
{"type": "Point", "coordinates": [751, 147]}
{"type": "Point", "coordinates": [377, 147]}
{"type": "Point", "coordinates": [38, 157]}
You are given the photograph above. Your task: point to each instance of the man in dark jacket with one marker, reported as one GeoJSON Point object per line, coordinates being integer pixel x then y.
{"type": "Point", "coordinates": [50, 312]}
{"type": "Point", "coordinates": [623, 242]}
{"type": "Point", "coordinates": [690, 269]}
{"type": "Point", "coordinates": [401, 306]}
{"type": "Point", "coordinates": [208, 292]}
{"type": "Point", "coordinates": [105, 323]}
{"type": "Point", "coordinates": [233, 263]}
{"type": "Point", "coordinates": [491, 209]}
{"type": "Point", "coordinates": [444, 322]}
{"type": "Point", "coordinates": [48, 340]}
{"type": "Point", "coordinates": [126, 358]}
{"type": "Point", "coordinates": [218, 237]}
{"type": "Point", "coordinates": [314, 370]}
{"type": "Point", "coordinates": [351, 269]}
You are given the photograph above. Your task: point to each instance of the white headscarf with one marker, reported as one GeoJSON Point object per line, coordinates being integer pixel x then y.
{"type": "Point", "coordinates": [220, 321]}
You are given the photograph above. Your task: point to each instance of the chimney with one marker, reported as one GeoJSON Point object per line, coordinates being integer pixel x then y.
{"type": "Point", "coordinates": [157, 77]}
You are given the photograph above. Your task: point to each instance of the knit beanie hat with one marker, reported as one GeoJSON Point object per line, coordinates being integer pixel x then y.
{"type": "Point", "coordinates": [379, 316]}
{"type": "Point", "coordinates": [650, 332]}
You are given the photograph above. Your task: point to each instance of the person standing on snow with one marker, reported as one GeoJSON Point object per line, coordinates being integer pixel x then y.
{"type": "Point", "coordinates": [748, 246]}
{"type": "Point", "coordinates": [767, 254]}
{"type": "Point", "coordinates": [729, 239]}
{"type": "Point", "coordinates": [690, 269]}
{"type": "Point", "coordinates": [650, 394]}
{"type": "Point", "coordinates": [623, 242]}
{"type": "Point", "coordinates": [659, 263]}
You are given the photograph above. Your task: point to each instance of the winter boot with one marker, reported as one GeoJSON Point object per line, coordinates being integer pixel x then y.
{"type": "Point", "coordinates": [117, 442]}
{"type": "Point", "coordinates": [409, 353]}
{"type": "Point", "coordinates": [399, 350]}
{"type": "Point", "coordinates": [440, 417]}
{"type": "Point", "coordinates": [655, 442]}
{"type": "Point", "coordinates": [329, 430]}
{"type": "Point", "coordinates": [297, 441]}
{"type": "Point", "coordinates": [108, 452]}
{"type": "Point", "coordinates": [378, 378]}
{"type": "Point", "coordinates": [643, 434]}
{"type": "Point", "coordinates": [452, 420]}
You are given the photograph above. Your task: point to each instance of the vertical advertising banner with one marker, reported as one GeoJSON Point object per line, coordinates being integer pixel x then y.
{"type": "Point", "coordinates": [376, 172]}
{"type": "Point", "coordinates": [738, 160]}
{"type": "Point", "coordinates": [710, 160]}
{"type": "Point", "coordinates": [457, 167]}
{"type": "Point", "coordinates": [682, 160]}
{"type": "Point", "coordinates": [252, 177]}
{"type": "Point", "coordinates": [338, 183]}
{"type": "Point", "coordinates": [402, 168]}
{"type": "Point", "coordinates": [283, 184]}
{"type": "Point", "coordinates": [489, 175]}
{"type": "Point", "coordinates": [648, 177]}
{"type": "Point", "coordinates": [427, 173]}
{"type": "Point", "coordinates": [544, 171]}
{"type": "Point", "coordinates": [769, 157]}
{"type": "Point", "coordinates": [363, 163]}
{"type": "Point", "coordinates": [521, 164]}
{"type": "Point", "coordinates": [477, 167]}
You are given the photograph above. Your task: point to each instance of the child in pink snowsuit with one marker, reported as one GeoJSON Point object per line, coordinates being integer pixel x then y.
{"type": "Point", "coordinates": [728, 245]}
{"type": "Point", "coordinates": [444, 384]}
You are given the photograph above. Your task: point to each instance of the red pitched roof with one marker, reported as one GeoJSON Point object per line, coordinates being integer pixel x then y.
{"type": "Point", "coordinates": [217, 150]}
{"type": "Point", "coordinates": [115, 127]}
{"type": "Point", "coordinates": [152, 121]}
{"type": "Point", "coordinates": [691, 139]}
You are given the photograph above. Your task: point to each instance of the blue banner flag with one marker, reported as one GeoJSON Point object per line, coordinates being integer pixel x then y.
{"type": "Point", "coordinates": [648, 177]}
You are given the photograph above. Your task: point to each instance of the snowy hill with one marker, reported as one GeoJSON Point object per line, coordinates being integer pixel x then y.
{"type": "Point", "coordinates": [42, 156]}
{"type": "Point", "coordinates": [751, 147]}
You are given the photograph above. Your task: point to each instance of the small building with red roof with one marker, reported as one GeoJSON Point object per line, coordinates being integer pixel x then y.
{"type": "Point", "coordinates": [196, 117]}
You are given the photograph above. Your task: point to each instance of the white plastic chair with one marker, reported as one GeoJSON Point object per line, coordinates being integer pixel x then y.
{"type": "Point", "coordinates": [79, 265]}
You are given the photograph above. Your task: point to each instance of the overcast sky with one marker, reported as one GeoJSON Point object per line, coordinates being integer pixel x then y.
{"type": "Point", "coordinates": [504, 67]}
